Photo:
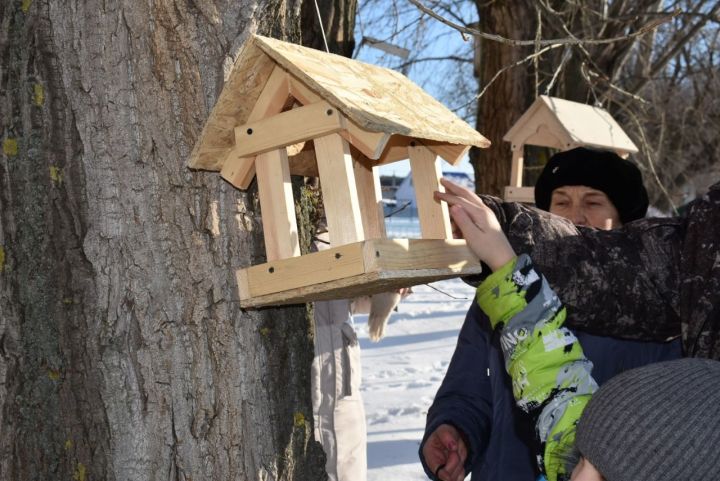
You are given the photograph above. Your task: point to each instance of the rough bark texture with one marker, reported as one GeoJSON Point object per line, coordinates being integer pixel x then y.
{"type": "Point", "coordinates": [338, 24]}
{"type": "Point", "coordinates": [123, 353]}
{"type": "Point", "coordinates": [506, 99]}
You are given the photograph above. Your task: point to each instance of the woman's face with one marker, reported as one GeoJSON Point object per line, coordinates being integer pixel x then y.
{"type": "Point", "coordinates": [585, 471]}
{"type": "Point", "coordinates": [585, 206]}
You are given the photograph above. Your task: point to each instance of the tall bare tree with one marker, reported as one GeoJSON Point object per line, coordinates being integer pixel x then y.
{"type": "Point", "coordinates": [505, 101]}
{"type": "Point", "coordinates": [123, 352]}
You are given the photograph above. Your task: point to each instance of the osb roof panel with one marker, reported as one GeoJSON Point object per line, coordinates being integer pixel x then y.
{"type": "Point", "coordinates": [376, 98]}
{"type": "Point", "coordinates": [583, 124]}
{"type": "Point", "coordinates": [237, 98]}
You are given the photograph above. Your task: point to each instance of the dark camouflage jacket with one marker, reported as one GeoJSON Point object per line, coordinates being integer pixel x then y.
{"type": "Point", "coordinates": [653, 279]}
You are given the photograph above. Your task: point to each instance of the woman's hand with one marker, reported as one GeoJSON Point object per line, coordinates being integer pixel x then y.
{"type": "Point", "coordinates": [478, 224]}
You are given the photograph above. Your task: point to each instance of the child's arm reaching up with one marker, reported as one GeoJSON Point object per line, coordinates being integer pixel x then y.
{"type": "Point", "coordinates": [550, 374]}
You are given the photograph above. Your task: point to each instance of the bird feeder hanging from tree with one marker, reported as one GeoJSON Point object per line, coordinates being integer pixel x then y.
{"type": "Point", "coordinates": [562, 125]}
{"type": "Point", "coordinates": [287, 109]}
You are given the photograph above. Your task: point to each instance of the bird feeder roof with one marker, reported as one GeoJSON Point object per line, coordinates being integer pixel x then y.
{"type": "Point", "coordinates": [563, 124]}
{"type": "Point", "coordinates": [376, 99]}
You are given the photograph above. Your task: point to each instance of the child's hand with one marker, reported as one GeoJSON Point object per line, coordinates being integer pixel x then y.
{"type": "Point", "coordinates": [478, 224]}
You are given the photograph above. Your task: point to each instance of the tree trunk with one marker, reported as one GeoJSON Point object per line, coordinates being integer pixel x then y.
{"type": "Point", "coordinates": [338, 24]}
{"type": "Point", "coordinates": [123, 352]}
{"type": "Point", "coordinates": [508, 97]}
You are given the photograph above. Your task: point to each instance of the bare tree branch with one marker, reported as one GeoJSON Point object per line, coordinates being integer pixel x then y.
{"type": "Point", "coordinates": [672, 52]}
{"type": "Point", "coordinates": [567, 53]}
{"type": "Point", "coordinates": [412, 62]}
{"type": "Point", "coordinates": [508, 67]}
{"type": "Point", "coordinates": [558, 41]}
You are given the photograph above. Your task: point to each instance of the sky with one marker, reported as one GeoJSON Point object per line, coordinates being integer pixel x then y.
{"type": "Point", "coordinates": [402, 168]}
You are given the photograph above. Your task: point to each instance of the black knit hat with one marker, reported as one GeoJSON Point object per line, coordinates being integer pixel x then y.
{"type": "Point", "coordinates": [603, 170]}
{"type": "Point", "coordinates": [660, 422]}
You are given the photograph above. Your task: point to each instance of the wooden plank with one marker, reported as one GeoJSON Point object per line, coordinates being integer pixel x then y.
{"type": "Point", "coordinates": [288, 128]}
{"type": "Point", "coordinates": [396, 149]}
{"type": "Point", "coordinates": [315, 268]}
{"type": "Point", "coordinates": [362, 268]}
{"type": "Point", "coordinates": [452, 153]}
{"type": "Point", "coordinates": [525, 195]}
{"type": "Point", "coordinates": [424, 254]}
{"type": "Point", "coordinates": [434, 216]}
{"type": "Point", "coordinates": [340, 197]}
{"type": "Point", "coordinates": [516, 169]}
{"type": "Point", "coordinates": [371, 144]}
{"type": "Point", "coordinates": [240, 170]}
{"type": "Point", "coordinates": [546, 137]}
{"type": "Point", "coordinates": [351, 287]}
{"type": "Point", "coordinates": [236, 100]}
{"type": "Point", "coordinates": [589, 125]}
{"type": "Point", "coordinates": [277, 206]}
{"type": "Point", "coordinates": [367, 180]}
{"type": "Point", "coordinates": [301, 92]}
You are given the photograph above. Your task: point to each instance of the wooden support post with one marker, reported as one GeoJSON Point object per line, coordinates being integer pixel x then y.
{"type": "Point", "coordinates": [339, 190]}
{"type": "Point", "coordinates": [516, 169]}
{"type": "Point", "coordinates": [453, 153]}
{"type": "Point", "coordinates": [434, 216]}
{"type": "Point", "coordinates": [277, 205]}
{"type": "Point", "coordinates": [370, 197]}
{"type": "Point", "coordinates": [238, 169]}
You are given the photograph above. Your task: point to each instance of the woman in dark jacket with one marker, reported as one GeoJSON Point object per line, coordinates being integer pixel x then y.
{"type": "Point", "coordinates": [477, 412]}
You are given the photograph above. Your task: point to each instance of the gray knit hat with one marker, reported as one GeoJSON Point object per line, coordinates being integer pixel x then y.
{"type": "Point", "coordinates": [659, 422]}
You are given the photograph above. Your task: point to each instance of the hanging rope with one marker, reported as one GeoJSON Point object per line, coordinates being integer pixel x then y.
{"type": "Point", "coordinates": [322, 29]}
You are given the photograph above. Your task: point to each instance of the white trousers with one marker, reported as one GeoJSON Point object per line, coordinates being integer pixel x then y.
{"type": "Point", "coordinates": [337, 405]}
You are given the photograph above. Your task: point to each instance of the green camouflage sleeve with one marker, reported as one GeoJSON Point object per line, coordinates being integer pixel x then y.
{"type": "Point", "coordinates": [550, 375]}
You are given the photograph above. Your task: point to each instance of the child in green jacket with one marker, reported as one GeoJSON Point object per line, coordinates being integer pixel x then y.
{"type": "Point", "coordinates": [660, 422]}
{"type": "Point", "coordinates": [550, 374]}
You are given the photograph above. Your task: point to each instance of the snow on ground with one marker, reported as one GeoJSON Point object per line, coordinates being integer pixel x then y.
{"type": "Point", "coordinates": [402, 372]}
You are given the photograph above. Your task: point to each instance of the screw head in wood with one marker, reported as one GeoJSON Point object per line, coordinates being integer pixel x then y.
{"type": "Point", "coordinates": [249, 131]}
{"type": "Point", "coordinates": [329, 111]}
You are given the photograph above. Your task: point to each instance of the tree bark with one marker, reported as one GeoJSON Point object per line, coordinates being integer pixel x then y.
{"type": "Point", "coordinates": [508, 97]}
{"type": "Point", "coordinates": [338, 24]}
{"type": "Point", "coordinates": [123, 352]}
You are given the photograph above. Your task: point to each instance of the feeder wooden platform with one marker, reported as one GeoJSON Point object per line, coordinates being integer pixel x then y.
{"type": "Point", "coordinates": [356, 269]}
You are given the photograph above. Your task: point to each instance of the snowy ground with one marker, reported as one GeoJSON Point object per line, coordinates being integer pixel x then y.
{"type": "Point", "coordinates": [402, 372]}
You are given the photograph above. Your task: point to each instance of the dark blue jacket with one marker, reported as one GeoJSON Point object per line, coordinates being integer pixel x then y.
{"type": "Point", "coordinates": [476, 397]}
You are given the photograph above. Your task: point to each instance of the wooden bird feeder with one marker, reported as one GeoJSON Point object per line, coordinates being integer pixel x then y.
{"type": "Point", "coordinates": [563, 125]}
{"type": "Point", "coordinates": [288, 110]}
